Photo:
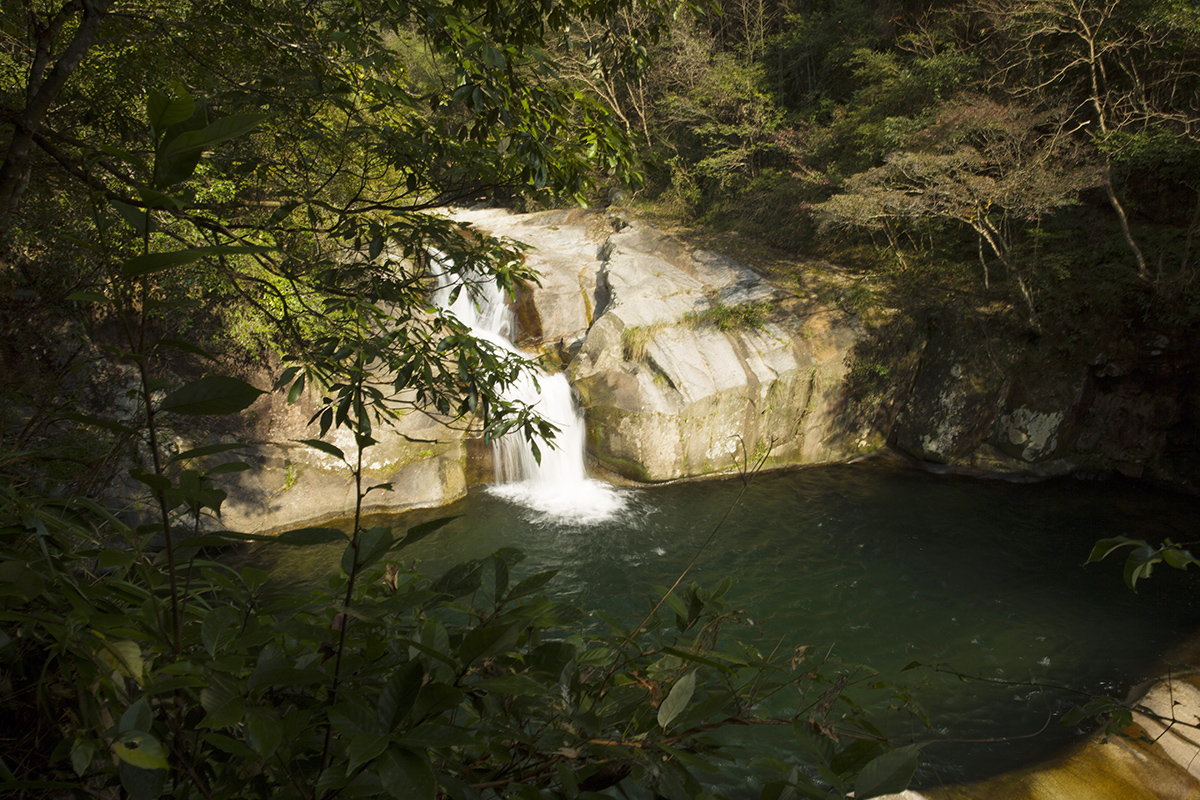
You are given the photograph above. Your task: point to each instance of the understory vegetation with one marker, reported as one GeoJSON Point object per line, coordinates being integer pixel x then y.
{"type": "Point", "coordinates": [1035, 163]}
{"type": "Point", "coordinates": [194, 195]}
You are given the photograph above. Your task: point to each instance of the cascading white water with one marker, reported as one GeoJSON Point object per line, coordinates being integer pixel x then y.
{"type": "Point", "coordinates": [558, 486]}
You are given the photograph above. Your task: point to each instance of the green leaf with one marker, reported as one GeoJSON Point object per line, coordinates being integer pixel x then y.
{"type": "Point", "coordinates": [185, 346]}
{"type": "Point", "coordinates": [297, 389]}
{"type": "Point", "coordinates": [154, 199]}
{"type": "Point", "coordinates": [232, 746]}
{"type": "Point", "coordinates": [433, 735]}
{"type": "Point", "coordinates": [98, 422]}
{"type": "Point", "coordinates": [407, 775]}
{"type": "Point", "coordinates": [177, 160]}
{"type": "Point", "coordinates": [253, 577]}
{"type": "Point", "coordinates": [418, 532]}
{"type": "Point", "coordinates": [25, 582]}
{"type": "Point", "coordinates": [212, 394]}
{"type": "Point", "coordinates": [142, 784]}
{"type": "Point", "coordinates": [303, 537]}
{"type": "Point", "coordinates": [125, 657]}
{"type": "Point", "coordinates": [220, 627]}
{"type": "Point", "coordinates": [206, 138]}
{"type": "Point", "coordinates": [489, 640]}
{"type": "Point", "coordinates": [282, 213]}
{"type": "Point", "coordinates": [516, 685]}
{"type": "Point", "coordinates": [400, 693]}
{"type": "Point", "coordinates": [889, 773]}
{"type": "Point", "coordinates": [163, 111]}
{"type": "Point", "coordinates": [459, 580]}
{"type": "Point", "coordinates": [157, 262]}
{"type": "Point", "coordinates": [207, 450]}
{"type": "Point", "coordinates": [1106, 546]}
{"type": "Point", "coordinates": [531, 584]}
{"type": "Point", "coordinates": [677, 699]}
{"type": "Point", "coordinates": [813, 742]}
{"type": "Point", "coordinates": [223, 707]}
{"type": "Point", "coordinates": [351, 719]}
{"type": "Point", "coordinates": [229, 466]}
{"type": "Point", "coordinates": [124, 155]}
{"type": "Point", "coordinates": [265, 730]}
{"type": "Point", "coordinates": [698, 657]}
{"type": "Point", "coordinates": [141, 750]}
{"type": "Point", "coordinates": [137, 717]}
{"type": "Point", "coordinates": [324, 447]}
{"type": "Point", "coordinates": [1140, 564]}
{"type": "Point", "coordinates": [82, 753]}
{"type": "Point", "coordinates": [372, 545]}
{"type": "Point", "coordinates": [364, 747]}
{"type": "Point", "coordinates": [1178, 558]}
{"type": "Point", "coordinates": [137, 218]}
{"type": "Point", "coordinates": [157, 483]}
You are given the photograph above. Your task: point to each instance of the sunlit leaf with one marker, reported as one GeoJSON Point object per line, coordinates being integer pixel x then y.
{"type": "Point", "coordinates": [677, 699]}
{"type": "Point", "coordinates": [141, 750]}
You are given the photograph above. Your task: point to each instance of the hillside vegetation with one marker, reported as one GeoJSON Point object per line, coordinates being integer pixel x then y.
{"type": "Point", "coordinates": [195, 192]}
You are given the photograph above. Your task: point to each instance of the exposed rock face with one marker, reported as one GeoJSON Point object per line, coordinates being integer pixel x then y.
{"type": "Point", "coordinates": [1158, 762]}
{"type": "Point", "coordinates": [689, 363]}
{"type": "Point", "coordinates": [1041, 409]}
{"type": "Point", "coordinates": [669, 391]}
{"type": "Point", "coordinates": [294, 484]}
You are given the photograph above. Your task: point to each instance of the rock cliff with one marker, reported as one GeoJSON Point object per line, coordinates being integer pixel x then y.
{"type": "Point", "coordinates": [687, 362]}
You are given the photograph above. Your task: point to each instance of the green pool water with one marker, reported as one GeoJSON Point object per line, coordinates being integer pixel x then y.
{"type": "Point", "coordinates": [885, 567]}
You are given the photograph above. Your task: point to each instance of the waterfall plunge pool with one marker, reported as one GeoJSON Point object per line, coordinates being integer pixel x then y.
{"type": "Point", "coordinates": [885, 566]}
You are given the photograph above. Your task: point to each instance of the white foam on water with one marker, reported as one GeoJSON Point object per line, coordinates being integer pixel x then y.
{"type": "Point", "coordinates": [557, 488]}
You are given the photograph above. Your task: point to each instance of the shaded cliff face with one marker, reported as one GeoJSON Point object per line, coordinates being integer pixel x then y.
{"type": "Point", "coordinates": [998, 400]}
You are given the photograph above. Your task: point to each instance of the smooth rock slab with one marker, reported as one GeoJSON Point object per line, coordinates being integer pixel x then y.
{"type": "Point", "coordinates": [667, 393]}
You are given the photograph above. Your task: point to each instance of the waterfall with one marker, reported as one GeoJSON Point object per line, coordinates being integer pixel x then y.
{"type": "Point", "coordinates": [558, 487]}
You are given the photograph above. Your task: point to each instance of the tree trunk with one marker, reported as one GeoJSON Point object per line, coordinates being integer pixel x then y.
{"type": "Point", "coordinates": [15, 169]}
{"type": "Point", "coordinates": [1143, 273]}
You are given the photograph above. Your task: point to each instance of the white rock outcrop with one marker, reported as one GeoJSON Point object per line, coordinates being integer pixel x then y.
{"type": "Point", "coordinates": [673, 384]}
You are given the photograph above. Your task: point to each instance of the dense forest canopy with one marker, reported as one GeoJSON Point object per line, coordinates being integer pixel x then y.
{"type": "Point", "coordinates": [1009, 134]}
{"type": "Point", "coordinates": [188, 187]}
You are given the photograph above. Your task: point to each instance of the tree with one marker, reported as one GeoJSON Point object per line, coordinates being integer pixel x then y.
{"type": "Point", "coordinates": [290, 157]}
{"type": "Point", "coordinates": [990, 167]}
{"type": "Point", "coordinates": [1126, 69]}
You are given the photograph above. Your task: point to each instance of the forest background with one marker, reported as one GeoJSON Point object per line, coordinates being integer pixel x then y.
{"type": "Point", "coordinates": [193, 192]}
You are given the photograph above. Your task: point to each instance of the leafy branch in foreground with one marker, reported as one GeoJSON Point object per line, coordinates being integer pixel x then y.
{"type": "Point", "coordinates": [1143, 557]}
{"type": "Point", "coordinates": [169, 674]}
{"type": "Point", "coordinates": [1116, 715]}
